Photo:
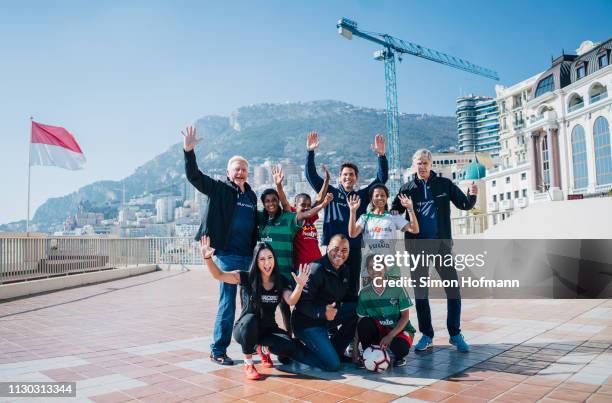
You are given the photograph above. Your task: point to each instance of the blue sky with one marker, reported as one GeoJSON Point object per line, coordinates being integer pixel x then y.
{"type": "Point", "coordinates": [126, 76]}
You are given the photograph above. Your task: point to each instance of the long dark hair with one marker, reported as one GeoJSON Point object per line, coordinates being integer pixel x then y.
{"type": "Point", "coordinates": [371, 193]}
{"type": "Point", "coordinates": [279, 211]}
{"type": "Point", "coordinates": [255, 280]}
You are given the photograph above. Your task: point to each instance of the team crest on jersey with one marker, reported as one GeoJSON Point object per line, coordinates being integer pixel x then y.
{"type": "Point", "coordinates": [394, 301]}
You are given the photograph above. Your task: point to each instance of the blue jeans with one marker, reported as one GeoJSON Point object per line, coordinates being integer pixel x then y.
{"type": "Point", "coordinates": [319, 350]}
{"type": "Point", "coordinates": [325, 344]}
{"type": "Point", "coordinates": [226, 311]}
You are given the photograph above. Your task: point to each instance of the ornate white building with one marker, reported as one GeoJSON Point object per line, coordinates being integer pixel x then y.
{"type": "Point", "coordinates": [508, 185]}
{"type": "Point", "coordinates": [569, 125]}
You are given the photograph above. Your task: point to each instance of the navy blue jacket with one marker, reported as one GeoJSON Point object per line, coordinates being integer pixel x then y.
{"type": "Point", "coordinates": [444, 191]}
{"type": "Point", "coordinates": [337, 212]}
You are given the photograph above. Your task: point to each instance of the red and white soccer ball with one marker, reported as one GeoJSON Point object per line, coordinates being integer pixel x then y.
{"type": "Point", "coordinates": [376, 359]}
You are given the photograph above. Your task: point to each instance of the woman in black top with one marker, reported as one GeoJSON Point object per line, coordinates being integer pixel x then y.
{"type": "Point", "coordinates": [263, 288]}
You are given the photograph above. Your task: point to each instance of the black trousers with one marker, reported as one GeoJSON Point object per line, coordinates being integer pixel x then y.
{"type": "Point", "coordinates": [286, 314]}
{"type": "Point", "coordinates": [421, 294]}
{"type": "Point", "coordinates": [370, 332]}
{"type": "Point", "coordinates": [249, 333]}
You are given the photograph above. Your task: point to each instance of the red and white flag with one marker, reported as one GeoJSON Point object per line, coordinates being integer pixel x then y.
{"type": "Point", "coordinates": [55, 146]}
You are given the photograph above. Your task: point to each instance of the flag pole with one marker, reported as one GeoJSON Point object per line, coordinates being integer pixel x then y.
{"type": "Point", "coordinates": [29, 169]}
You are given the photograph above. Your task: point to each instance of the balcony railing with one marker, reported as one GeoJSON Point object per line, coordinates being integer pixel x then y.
{"type": "Point", "coordinates": [575, 107]}
{"type": "Point", "coordinates": [476, 224]}
{"type": "Point", "coordinates": [25, 257]}
{"type": "Point", "coordinates": [599, 96]}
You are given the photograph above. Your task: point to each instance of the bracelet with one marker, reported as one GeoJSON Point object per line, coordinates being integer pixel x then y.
{"type": "Point", "coordinates": [409, 210]}
{"type": "Point", "coordinates": [206, 258]}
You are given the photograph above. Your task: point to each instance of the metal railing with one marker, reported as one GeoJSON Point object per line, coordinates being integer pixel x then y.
{"type": "Point", "coordinates": [599, 96]}
{"type": "Point", "coordinates": [575, 107]}
{"type": "Point", "coordinates": [477, 223]}
{"type": "Point", "coordinates": [174, 250]}
{"type": "Point", "coordinates": [34, 256]}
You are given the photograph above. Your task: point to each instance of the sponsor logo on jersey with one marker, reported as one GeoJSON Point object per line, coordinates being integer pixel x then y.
{"type": "Point", "coordinates": [269, 299]}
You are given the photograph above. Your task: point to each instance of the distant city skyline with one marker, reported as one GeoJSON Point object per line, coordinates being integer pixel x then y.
{"type": "Point", "coordinates": [126, 77]}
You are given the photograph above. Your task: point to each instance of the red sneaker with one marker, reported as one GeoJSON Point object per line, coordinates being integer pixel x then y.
{"type": "Point", "coordinates": [251, 373]}
{"type": "Point", "coordinates": [266, 361]}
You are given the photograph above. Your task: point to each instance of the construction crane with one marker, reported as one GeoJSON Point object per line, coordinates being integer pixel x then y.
{"type": "Point", "coordinates": [347, 28]}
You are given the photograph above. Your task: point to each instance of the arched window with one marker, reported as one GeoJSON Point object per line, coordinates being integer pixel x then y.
{"type": "Point", "coordinates": [575, 102]}
{"type": "Point", "coordinates": [597, 92]}
{"type": "Point", "coordinates": [579, 158]}
{"type": "Point", "coordinates": [545, 85]}
{"type": "Point", "coordinates": [545, 163]}
{"type": "Point", "coordinates": [603, 152]}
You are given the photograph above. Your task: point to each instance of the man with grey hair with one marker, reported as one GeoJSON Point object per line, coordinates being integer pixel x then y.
{"type": "Point", "coordinates": [231, 224]}
{"type": "Point", "coordinates": [431, 196]}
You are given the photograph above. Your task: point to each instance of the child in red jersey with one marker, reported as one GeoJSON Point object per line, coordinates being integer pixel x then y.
{"type": "Point", "coordinates": [306, 241]}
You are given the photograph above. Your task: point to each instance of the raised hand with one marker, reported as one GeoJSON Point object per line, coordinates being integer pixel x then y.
{"type": "Point", "coordinates": [379, 145]}
{"type": "Point", "coordinates": [190, 140]}
{"type": "Point", "coordinates": [327, 174]}
{"type": "Point", "coordinates": [354, 202]}
{"type": "Point", "coordinates": [406, 201]}
{"type": "Point", "coordinates": [278, 174]}
{"type": "Point", "coordinates": [205, 249]}
{"type": "Point", "coordinates": [312, 141]}
{"type": "Point", "coordinates": [331, 311]}
{"type": "Point", "coordinates": [303, 273]}
{"type": "Point", "coordinates": [473, 189]}
{"type": "Point", "coordinates": [328, 199]}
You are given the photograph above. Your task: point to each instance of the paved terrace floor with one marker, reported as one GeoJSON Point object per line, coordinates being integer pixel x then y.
{"type": "Point", "coordinates": [146, 338]}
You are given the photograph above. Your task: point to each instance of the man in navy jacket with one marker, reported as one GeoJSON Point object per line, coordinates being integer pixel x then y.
{"type": "Point", "coordinates": [337, 212]}
{"type": "Point", "coordinates": [431, 196]}
{"type": "Point", "coordinates": [231, 224]}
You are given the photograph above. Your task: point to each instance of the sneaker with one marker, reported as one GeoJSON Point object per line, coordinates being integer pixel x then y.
{"type": "Point", "coordinates": [458, 341]}
{"type": "Point", "coordinates": [266, 361]}
{"type": "Point", "coordinates": [424, 344]}
{"type": "Point", "coordinates": [251, 373]}
{"type": "Point", "coordinates": [221, 359]}
{"type": "Point", "coordinates": [349, 350]}
{"type": "Point", "coordinates": [399, 362]}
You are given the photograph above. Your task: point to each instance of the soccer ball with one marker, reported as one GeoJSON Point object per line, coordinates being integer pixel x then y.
{"type": "Point", "coordinates": [376, 359]}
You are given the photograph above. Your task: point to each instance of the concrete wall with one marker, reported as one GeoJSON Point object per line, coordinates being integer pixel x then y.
{"type": "Point", "coordinates": [57, 283]}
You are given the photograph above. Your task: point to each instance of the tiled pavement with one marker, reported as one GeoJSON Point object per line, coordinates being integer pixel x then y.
{"type": "Point", "coordinates": [146, 339]}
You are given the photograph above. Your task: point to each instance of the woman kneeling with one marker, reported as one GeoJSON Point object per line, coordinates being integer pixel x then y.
{"type": "Point", "coordinates": [261, 292]}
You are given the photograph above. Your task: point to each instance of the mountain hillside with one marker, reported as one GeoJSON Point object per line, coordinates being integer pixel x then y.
{"type": "Point", "coordinates": [258, 132]}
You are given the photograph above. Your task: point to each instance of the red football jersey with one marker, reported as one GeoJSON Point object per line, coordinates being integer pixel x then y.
{"type": "Point", "coordinates": [306, 243]}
